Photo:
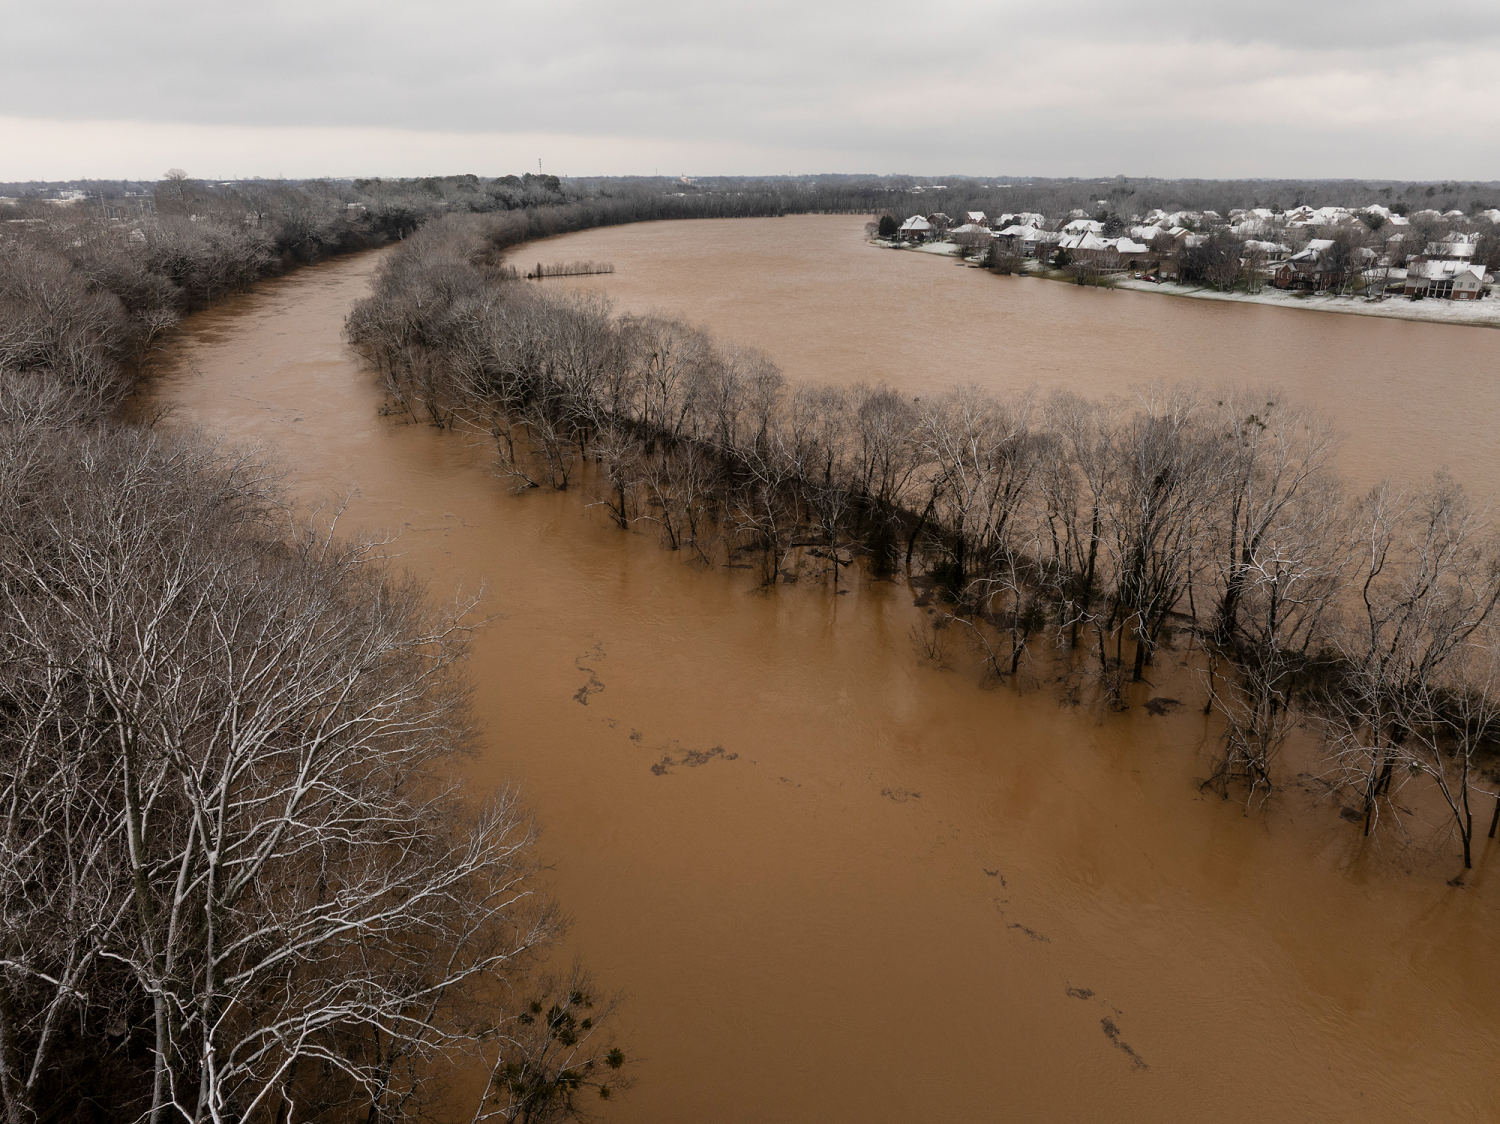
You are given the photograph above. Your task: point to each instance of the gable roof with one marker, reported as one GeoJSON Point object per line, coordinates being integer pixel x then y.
{"type": "Point", "coordinates": [1445, 270]}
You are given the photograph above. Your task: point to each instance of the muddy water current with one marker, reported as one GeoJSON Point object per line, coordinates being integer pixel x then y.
{"type": "Point", "coordinates": [1407, 397]}
{"type": "Point", "coordinates": [841, 881]}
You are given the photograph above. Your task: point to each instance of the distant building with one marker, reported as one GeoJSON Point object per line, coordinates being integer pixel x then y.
{"type": "Point", "coordinates": [1272, 253]}
{"type": "Point", "coordinates": [1083, 226]}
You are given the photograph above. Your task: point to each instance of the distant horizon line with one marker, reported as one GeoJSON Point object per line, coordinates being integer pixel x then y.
{"type": "Point", "coordinates": [924, 179]}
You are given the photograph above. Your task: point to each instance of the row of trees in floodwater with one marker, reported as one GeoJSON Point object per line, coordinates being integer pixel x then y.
{"type": "Point", "coordinates": [1109, 530]}
{"type": "Point", "coordinates": [239, 876]}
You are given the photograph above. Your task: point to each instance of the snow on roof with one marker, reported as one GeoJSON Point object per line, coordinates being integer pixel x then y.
{"type": "Point", "coordinates": [915, 223]}
{"type": "Point", "coordinates": [1443, 270]}
{"type": "Point", "coordinates": [1451, 249]}
{"type": "Point", "coordinates": [977, 216]}
{"type": "Point", "coordinates": [1314, 250]}
{"type": "Point", "coordinates": [1081, 240]}
{"type": "Point", "coordinates": [970, 228]}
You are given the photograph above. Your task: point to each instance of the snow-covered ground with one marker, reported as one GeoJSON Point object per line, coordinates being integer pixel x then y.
{"type": "Point", "coordinates": [949, 249]}
{"type": "Point", "coordinates": [1483, 313]}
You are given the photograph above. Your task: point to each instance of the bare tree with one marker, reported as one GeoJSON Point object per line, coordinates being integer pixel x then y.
{"type": "Point", "coordinates": [1276, 474]}
{"type": "Point", "coordinates": [1428, 583]}
{"type": "Point", "coordinates": [1290, 580]}
{"type": "Point", "coordinates": [227, 823]}
{"type": "Point", "coordinates": [981, 454]}
{"type": "Point", "coordinates": [1162, 482]}
{"type": "Point", "coordinates": [1076, 463]}
{"type": "Point", "coordinates": [886, 456]}
{"type": "Point", "coordinates": [1453, 722]}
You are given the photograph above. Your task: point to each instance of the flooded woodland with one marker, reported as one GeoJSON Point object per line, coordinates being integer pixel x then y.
{"type": "Point", "coordinates": [838, 880]}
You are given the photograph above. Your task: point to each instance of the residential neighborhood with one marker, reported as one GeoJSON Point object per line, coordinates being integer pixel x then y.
{"type": "Point", "coordinates": [1371, 251]}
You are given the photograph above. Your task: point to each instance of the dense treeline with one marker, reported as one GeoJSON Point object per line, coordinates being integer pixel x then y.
{"type": "Point", "coordinates": [85, 296]}
{"type": "Point", "coordinates": [1128, 195]}
{"type": "Point", "coordinates": [87, 290]}
{"type": "Point", "coordinates": [1108, 530]}
{"type": "Point", "coordinates": [239, 879]}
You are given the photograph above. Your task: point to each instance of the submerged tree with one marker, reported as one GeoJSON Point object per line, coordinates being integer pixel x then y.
{"type": "Point", "coordinates": [1429, 582]}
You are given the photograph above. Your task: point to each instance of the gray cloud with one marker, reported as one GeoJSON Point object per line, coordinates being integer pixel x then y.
{"type": "Point", "coordinates": [947, 84]}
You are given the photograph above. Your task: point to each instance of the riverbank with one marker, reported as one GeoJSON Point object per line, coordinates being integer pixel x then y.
{"type": "Point", "coordinates": [1481, 314]}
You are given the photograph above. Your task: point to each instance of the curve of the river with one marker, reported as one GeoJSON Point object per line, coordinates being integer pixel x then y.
{"type": "Point", "coordinates": [837, 882]}
{"type": "Point", "coordinates": [1408, 397]}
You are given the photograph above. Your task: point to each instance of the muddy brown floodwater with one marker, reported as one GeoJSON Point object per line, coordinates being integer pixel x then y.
{"type": "Point", "coordinates": [1408, 397]}
{"type": "Point", "coordinates": [836, 881]}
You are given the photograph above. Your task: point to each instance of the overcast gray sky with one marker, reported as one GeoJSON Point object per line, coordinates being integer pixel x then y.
{"type": "Point", "coordinates": [1374, 88]}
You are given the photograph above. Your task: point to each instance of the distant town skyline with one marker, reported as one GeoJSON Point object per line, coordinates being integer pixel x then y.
{"type": "Point", "coordinates": [1166, 88]}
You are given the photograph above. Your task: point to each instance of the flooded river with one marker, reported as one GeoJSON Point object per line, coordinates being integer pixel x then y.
{"type": "Point", "coordinates": [1408, 397]}
{"type": "Point", "coordinates": [835, 880]}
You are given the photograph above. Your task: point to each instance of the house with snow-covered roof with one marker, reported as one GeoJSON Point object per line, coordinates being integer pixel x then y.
{"type": "Point", "coordinates": [1319, 266]}
{"type": "Point", "coordinates": [915, 229]}
{"type": "Point", "coordinates": [1083, 226]}
{"type": "Point", "coordinates": [972, 235]}
{"type": "Point", "coordinates": [1272, 253]}
{"type": "Point", "coordinates": [1455, 247]}
{"type": "Point", "coordinates": [1106, 253]}
{"type": "Point", "coordinates": [1445, 280]}
{"type": "Point", "coordinates": [1018, 239]}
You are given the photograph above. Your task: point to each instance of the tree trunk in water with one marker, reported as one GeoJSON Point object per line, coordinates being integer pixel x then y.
{"type": "Point", "coordinates": [1138, 672]}
{"type": "Point", "coordinates": [911, 543]}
